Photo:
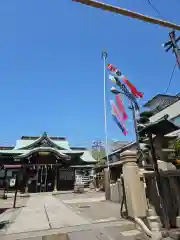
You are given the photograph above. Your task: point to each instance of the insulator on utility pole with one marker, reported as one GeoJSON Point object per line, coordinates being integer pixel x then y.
{"type": "Point", "coordinates": [173, 44]}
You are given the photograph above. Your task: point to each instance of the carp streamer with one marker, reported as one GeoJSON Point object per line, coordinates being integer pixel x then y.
{"type": "Point", "coordinates": [129, 90]}
{"type": "Point", "coordinates": [132, 88]}
{"type": "Point", "coordinates": [117, 118]}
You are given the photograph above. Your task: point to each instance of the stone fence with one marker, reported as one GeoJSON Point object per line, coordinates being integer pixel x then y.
{"type": "Point", "coordinates": [116, 191]}
{"type": "Point", "coordinates": [133, 187]}
{"type": "Point", "coordinates": [142, 196]}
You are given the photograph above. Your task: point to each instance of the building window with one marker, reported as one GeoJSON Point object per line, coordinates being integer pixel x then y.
{"type": "Point", "coordinates": [176, 120]}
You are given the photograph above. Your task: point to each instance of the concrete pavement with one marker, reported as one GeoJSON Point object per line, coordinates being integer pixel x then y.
{"type": "Point", "coordinates": [60, 215]}
{"type": "Point", "coordinates": [45, 214]}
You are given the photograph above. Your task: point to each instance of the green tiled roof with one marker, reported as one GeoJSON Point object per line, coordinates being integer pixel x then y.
{"type": "Point", "coordinates": [87, 157]}
{"type": "Point", "coordinates": [13, 151]}
{"type": "Point", "coordinates": [60, 146]}
{"type": "Point", "coordinates": [63, 144]}
{"type": "Point", "coordinates": [45, 149]}
{"type": "Point", "coordinates": [23, 143]}
{"type": "Point", "coordinates": [84, 155]}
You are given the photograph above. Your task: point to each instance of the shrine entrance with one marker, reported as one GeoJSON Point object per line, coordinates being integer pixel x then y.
{"type": "Point", "coordinates": [43, 181]}
{"type": "Point", "coordinates": [52, 173]}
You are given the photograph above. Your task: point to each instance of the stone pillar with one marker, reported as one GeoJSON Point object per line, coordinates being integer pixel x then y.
{"type": "Point", "coordinates": [107, 184]}
{"type": "Point", "coordinates": [55, 179]}
{"type": "Point", "coordinates": [134, 189]}
{"type": "Point", "coordinates": [120, 190]}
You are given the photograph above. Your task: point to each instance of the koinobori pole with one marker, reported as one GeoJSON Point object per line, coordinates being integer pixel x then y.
{"type": "Point", "coordinates": [135, 125]}
{"type": "Point", "coordinates": [104, 56]}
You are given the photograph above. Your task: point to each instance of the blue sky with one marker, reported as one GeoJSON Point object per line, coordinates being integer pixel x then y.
{"type": "Point", "coordinates": [51, 70]}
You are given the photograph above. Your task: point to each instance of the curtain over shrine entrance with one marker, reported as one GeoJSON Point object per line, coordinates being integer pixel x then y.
{"type": "Point", "coordinates": [52, 173]}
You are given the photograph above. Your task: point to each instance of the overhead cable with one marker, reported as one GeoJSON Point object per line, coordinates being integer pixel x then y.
{"type": "Point", "coordinates": [171, 77]}
{"type": "Point", "coordinates": [155, 9]}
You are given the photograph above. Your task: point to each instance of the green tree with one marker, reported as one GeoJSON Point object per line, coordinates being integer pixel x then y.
{"type": "Point", "coordinates": [99, 154]}
{"type": "Point", "coordinates": [177, 148]}
{"type": "Point", "coordinates": [144, 117]}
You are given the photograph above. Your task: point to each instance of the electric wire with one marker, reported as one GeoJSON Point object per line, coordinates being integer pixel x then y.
{"type": "Point", "coordinates": [172, 74]}
{"type": "Point", "coordinates": [155, 9]}
{"type": "Point", "coordinates": [171, 77]}
{"type": "Point", "coordinates": [168, 86]}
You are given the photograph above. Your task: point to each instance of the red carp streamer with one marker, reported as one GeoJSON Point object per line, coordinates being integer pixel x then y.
{"type": "Point", "coordinates": [132, 88]}
{"type": "Point", "coordinates": [121, 107]}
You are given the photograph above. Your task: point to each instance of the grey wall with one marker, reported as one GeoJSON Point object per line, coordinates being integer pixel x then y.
{"type": "Point", "coordinates": [173, 111]}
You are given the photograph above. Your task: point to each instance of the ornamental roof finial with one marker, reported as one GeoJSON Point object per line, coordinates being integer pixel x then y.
{"type": "Point", "coordinates": [45, 134]}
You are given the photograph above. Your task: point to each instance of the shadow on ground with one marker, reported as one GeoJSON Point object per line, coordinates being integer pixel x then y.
{"type": "Point", "coordinates": [3, 224]}
{"type": "Point", "coordinates": [3, 210]}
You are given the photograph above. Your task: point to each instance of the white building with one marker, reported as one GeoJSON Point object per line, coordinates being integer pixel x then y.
{"type": "Point", "coordinates": [162, 105]}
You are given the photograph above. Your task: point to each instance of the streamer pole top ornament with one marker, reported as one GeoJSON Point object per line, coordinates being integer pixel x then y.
{"type": "Point", "coordinates": [104, 54]}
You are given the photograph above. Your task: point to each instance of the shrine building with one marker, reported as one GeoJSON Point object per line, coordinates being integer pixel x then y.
{"type": "Point", "coordinates": [44, 164]}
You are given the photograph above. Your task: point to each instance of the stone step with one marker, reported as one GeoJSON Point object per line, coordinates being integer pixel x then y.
{"type": "Point", "coordinates": [132, 234]}
{"type": "Point", "coordinates": [112, 229]}
{"type": "Point", "coordinates": [106, 235]}
{"type": "Point", "coordinates": [115, 233]}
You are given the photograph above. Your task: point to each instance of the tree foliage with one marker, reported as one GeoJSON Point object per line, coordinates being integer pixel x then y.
{"type": "Point", "coordinates": [147, 114]}
{"type": "Point", "coordinates": [177, 148]}
{"type": "Point", "coordinates": [144, 117]}
{"type": "Point", "coordinates": [99, 154]}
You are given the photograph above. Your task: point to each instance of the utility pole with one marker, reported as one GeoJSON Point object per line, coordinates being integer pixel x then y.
{"type": "Point", "coordinates": [172, 44]}
{"type": "Point", "coordinates": [128, 13]}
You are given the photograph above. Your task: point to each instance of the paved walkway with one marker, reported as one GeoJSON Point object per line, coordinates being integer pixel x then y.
{"type": "Point", "coordinates": [44, 212]}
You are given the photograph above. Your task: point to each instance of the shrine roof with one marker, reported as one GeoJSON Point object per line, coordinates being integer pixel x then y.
{"type": "Point", "coordinates": [59, 145]}
{"type": "Point", "coordinates": [27, 141]}
{"type": "Point", "coordinates": [84, 155]}
{"type": "Point", "coordinates": [24, 143]}
{"type": "Point", "coordinates": [87, 157]}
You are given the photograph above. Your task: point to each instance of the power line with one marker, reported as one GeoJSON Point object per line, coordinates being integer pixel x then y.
{"type": "Point", "coordinates": [155, 8]}
{"type": "Point", "coordinates": [171, 77]}
{"type": "Point", "coordinates": [169, 83]}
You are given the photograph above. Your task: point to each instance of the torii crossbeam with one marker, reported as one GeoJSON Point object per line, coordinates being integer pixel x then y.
{"type": "Point", "coordinates": [128, 13]}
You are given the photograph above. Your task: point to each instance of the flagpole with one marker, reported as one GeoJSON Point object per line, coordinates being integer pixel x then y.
{"type": "Point", "coordinates": [104, 55]}
{"type": "Point", "coordinates": [106, 172]}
